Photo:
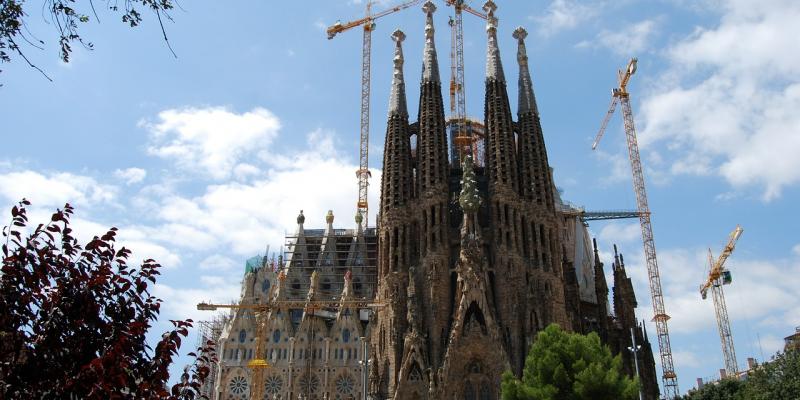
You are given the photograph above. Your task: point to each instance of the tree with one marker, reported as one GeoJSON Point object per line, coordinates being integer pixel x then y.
{"type": "Point", "coordinates": [67, 18]}
{"type": "Point", "coordinates": [777, 379]}
{"type": "Point", "coordinates": [569, 366]}
{"type": "Point", "coordinates": [725, 389]}
{"type": "Point", "coordinates": [74, 319]}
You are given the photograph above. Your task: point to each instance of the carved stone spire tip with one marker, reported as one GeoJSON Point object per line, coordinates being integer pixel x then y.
{"type": "Point", "coordinates": [429, 8]}
{"type": "Point", "coordinates": [430, 64]}
{"type": "Point", "coordinates": [397, 96]}
{"type": "Point", "coordinates": [398, 36]}
{"type": "Point", "coordinates": [520, 33]}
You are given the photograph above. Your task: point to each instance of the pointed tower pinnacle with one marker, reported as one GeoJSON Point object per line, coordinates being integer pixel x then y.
{"type": "Point", "coordinates": [430, 64]}
{"type": "Point", "coordinates": [397, 98]}
{"type": "Point", "coordinates": [494, 67]}
{"type": "Point", "coordinates": [527, 100]}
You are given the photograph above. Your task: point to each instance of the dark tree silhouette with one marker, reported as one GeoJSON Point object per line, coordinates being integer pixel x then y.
{"type": "Point", "coordinates": [74, 319]}
{"type": "Point", "coordinates": [66, 16]}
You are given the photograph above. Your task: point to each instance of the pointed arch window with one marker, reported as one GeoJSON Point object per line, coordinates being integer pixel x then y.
{"type": "Point", "coordinates": [469, 391]}
{"type": "Point", "coordinates": [276, 336]}
{"type": "Point", "coordinates": [346, 335]}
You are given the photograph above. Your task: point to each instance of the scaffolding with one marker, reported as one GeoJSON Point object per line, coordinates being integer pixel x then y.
{"type": "Point", "coordinates": [210, 331]}
{"type": "Point", "coordinates": [350, 251]}
{"type": "Point", "coordinates": [474, 129]}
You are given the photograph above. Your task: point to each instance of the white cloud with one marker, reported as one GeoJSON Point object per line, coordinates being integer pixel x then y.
{"type": "Point", "coordinates": [687, 359]}
{"type": "Point", "coordinates": [629, 40]}
{"type": "Point", "coordinates": [218, 262]}
{"type": "Point", "coordinates": [562, 15]}
{"type": "Point", "coordinates": [727, 103]}
{"type": "Point", "coordinates": [182, 303]}
{"type": "Point", "coordinates": [762, 292]}
{"type": "Point", "coordinates": [245, 216]}
{"type": "Point", "coordinates": [213, 139]}
{"type": "Point", "coordinates": [54, 189]}
{"type": "Point", "coordinates": [796, 250]}
{"type": "Point", "coordinates": [131, 175]}
{"type": "Point", "coordinates": [619, 233]}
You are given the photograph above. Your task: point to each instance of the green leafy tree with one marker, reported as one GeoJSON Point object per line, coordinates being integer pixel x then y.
{"type": "Point", "coordinates": [777, 379]}
{"type": "Point", "coordinates": [725, 389]}
{"type": "Point", "coordinates": [570, 366]}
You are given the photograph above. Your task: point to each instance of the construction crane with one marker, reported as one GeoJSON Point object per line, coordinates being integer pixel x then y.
{"type": "Point", "coordinates": [620, 94]}
{"type": "Point", "coordinates": [458, 97]}
{"type": "Point", "coordinates": [718, 276]}
{"type": "Point", "coordinates": [368, 22]}
{"type": "Point", "coordinates": [599, 215]}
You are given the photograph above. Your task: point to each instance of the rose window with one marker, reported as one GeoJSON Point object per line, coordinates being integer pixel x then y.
{"type": "Point", "coordinates": [309, 383]}
{"type": "Point", "coordinates": [238, 385]}
{"type": "Point", "coordinates": [345, 385]}
{"type": "Point", "coordinates": [273, 384]}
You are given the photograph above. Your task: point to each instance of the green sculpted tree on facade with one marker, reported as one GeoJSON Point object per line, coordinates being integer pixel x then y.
{"type": "Point", "coordinates": [569, 366]}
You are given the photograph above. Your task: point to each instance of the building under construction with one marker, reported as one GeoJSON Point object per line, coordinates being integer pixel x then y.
{"type": "Point", "coordinates": [468, 262]}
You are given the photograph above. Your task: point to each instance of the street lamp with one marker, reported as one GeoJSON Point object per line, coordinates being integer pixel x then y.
{"type": "Point", "coordinates": [365, 364]}
{"type": "Point", "coordinates": [635, 350]}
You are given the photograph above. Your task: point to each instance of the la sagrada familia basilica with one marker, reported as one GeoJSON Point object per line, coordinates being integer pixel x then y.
{"type": "Point", "coordinates": [469, 261]}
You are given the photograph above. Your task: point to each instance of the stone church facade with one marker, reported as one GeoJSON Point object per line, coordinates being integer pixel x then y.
{"type": "Point", "coordinates": [474, 261]}
{"type": "Point", "coordinates": [469, 261]}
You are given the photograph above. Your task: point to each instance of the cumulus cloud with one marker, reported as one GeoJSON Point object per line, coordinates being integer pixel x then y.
{"type": "Point", "coordinates": [562, 15]}
{"type": "Point", "coordinates": [210, 140]}
{"type": "Point", "coordinates": [727, 103]}
{"type": "Point", "coordinates": [182, 303]}
{"type": "Point", "coordinates": [682, 272]}
{"type": "Point", "coordinates": [619, 233]}
{"type": "Point", "coordinates": [54, 189]}
{"type": "Point", "coordinates": [218, 262]}
{"type": "Point", "coordinates": [628, 40]}
{"type": "Point", "coordinates": [131, 175]}
{"type": "Point", "coordinates": [245, 216]}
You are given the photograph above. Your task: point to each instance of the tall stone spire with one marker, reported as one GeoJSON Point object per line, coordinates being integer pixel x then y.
{"type": "Point", "coordinates": [430, 64]}
{"type": "Point", "coordinates": [397, 97]}
{"type": "Point", "coordinates": [494, 67]}
{"type": "Point", "coordinates": [396, 184]}
{"type": "Point", "coordinates": [500, 146]}
{"type": "Point", "coordinates": [534, 170]}
{"type": "Point", "coordinates": [432, 143]}
{"type": "Point", "coordinates": [527, 100]}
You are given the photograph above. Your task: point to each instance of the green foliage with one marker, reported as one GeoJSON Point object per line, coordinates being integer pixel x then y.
{"type": "Point", "coordinates": [569, 366]}
{"type": "Point", "coordinates": [66, 16]}
{"type": "Point", "coordinates": [777, 379]}
{"type": "Point", "coordinates": [726, 389]}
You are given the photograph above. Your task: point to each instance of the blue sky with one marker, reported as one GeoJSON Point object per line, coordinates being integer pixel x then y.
{"type": "Point", "coordinates": [205, 159]}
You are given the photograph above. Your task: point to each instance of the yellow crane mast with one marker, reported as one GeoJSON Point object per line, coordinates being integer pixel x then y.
{"type": "Point", "coordinates": [368, 22]}
{"type": "Point", "coordinates": [718, 276]}
{"type": "Point", "coordinates": [620, 94]}
{"type": "Point", "coordinates": [458, 97]}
